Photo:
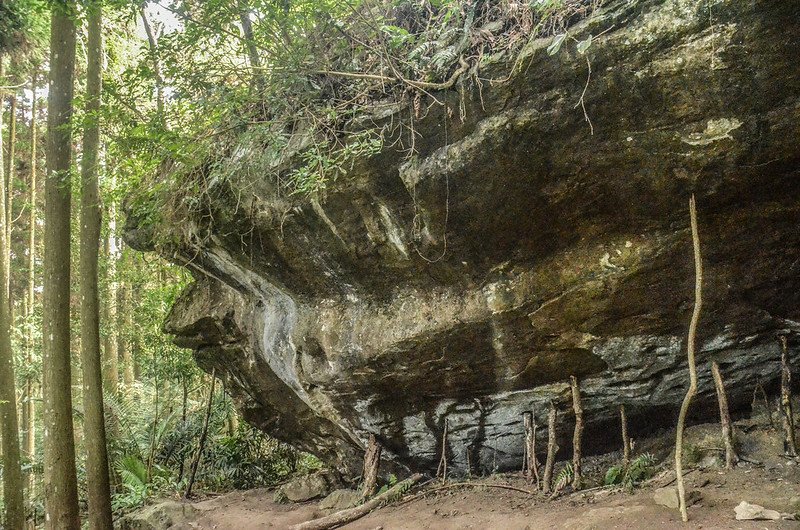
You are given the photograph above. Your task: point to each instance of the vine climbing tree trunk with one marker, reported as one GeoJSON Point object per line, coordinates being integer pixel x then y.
{"type": "Point", "coordinates": [9, 427]}
{"type": "Point", "coordinates": [98, 483]}
{"type": "Point", "coordinates": [203, 434]}
{"type": "Point", "coordinates": [725, 417]}
{"type": "Point", "coordinates": [789, 441]}
{"type": "Point", "coordinates": [60, 482]}
{"type": "Point", "coordinates": [690, 353]}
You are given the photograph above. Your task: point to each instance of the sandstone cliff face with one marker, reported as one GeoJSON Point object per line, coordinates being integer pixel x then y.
{"type": "Point", "coordinates": [516, 248]}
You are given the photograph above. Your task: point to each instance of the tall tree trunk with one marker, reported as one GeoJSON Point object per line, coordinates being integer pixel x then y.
{"type": "Point", "coordinates": [60, 483]}
{"type": "Point", "coordinates": [690, 350]}
{"type": "Point", "coordinates": [29, 408]}
{"type": "Point", "coordinates": [109, 317]}
{"type": "Point", "coordinates": [98, 483]}
{"type": "Point", "coordinates": [9, 426]}
{"type": "Point", "coordinates": [9, 193]}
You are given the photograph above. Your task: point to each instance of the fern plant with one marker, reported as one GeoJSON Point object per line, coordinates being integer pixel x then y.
{"type": "Point", "coordinates": [564, 477]}
{"type": "Point", "coordinates": [640, 468]}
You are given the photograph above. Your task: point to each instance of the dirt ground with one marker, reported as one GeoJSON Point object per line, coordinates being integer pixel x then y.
{"type": "Point", "coordinates": [772, 481]}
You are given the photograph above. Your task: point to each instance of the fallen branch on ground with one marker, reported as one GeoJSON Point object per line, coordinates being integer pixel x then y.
{"type": "Point", "coordinates": [351, 514]}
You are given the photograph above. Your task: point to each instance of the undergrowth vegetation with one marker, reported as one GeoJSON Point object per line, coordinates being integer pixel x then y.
{"type": "Point", "coordinates": [151, 456]}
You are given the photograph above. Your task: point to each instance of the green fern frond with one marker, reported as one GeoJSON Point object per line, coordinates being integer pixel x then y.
{"type": "Point", "coordinates": [564, 477]}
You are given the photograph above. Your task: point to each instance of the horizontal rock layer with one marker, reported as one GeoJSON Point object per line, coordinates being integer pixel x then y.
{"type": "Point", "coordinates": [531, 234]}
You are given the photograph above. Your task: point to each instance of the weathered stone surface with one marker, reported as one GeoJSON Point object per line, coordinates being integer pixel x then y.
{"type": "Point", "coordinates": [305, 488]}
{"type": "Point", "coordinates": [340, 500]}
{"type": "Point", "coordinates": [515, 248]}
{"type": "Point", "coordinates": [668, 497]}
{"type": "Point", "coordinates": [753, 512]}
{"type": "Point", "coordinates": [168, 514]}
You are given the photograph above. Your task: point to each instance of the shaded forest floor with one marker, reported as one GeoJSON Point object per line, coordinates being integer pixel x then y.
{"type": "Point", "coordinates": [772, 481]}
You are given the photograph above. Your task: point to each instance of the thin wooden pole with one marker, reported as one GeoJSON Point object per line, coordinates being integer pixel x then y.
{"type": "Point", "coordinates": [531, 463]}
{"type": "Point", "coordinates": [441, 471]}
{"type": "Point", "coordinates": [372, 460]}
{"type": "Point", "coordinates": [203, 434]}
{"type": "Point", "coordinates": [626, 440]}
{"type": "Point", "coordinates": [578, 433]}
{"type": "Point", "coordinates": [690, 353]}
{"type": "Point", "coordinates": [789, 442]}
{"type": "Point", "coordinates": [725, 417]}
{"type": "Point", "coordinates": [552, 449]}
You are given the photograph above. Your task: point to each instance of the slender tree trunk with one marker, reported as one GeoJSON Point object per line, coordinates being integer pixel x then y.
{"type": "Point", "coordinates": [30, 409]}
{"type": "Point", "coordinates": [124, 324]}
{"type": "Point", "coordinates": [60, 483]}
{"type": "Point", "coordinates": [552, 449]}
{"type": "Point", "coordinates": [152, 452]}
{"type": "Point", "coordinates": [789, 442]}
{"type": "Point", "coordinates": [626, 440]}
{"type": "Point", "coordinates": [98, 483]}
{"type": "Point", "coordinates": [183, 420]}
{"type": "Point", "coordinates": [9, 426]}
{"type": "Point", "coordinates": [153, 44]}
{"type": "Point", "coordinates": [9, 184]}
{"type": "Point", "coordinates": [203, 434]}
{"type": "Point", "coordinates": [372, 462]}
{"type": "Point", "coordinates": [725, 417]}
{"type": "Point", "coordinates": [109, 317]}
{"type": "Point", "coordinates": [578, 435]}
{"type": "Point", "coordinates": [690, 352]}
{"type": "Point", "coordinates": [252, 50]}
